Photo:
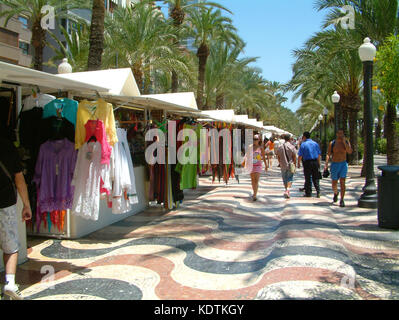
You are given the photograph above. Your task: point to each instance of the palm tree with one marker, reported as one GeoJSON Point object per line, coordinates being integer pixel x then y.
{"type": "Point", "coordinates": [376, 19]}
{"type": "Point", "coordinates": [222, 70]}
{"type": "Point", "coordinates": [96, 35]}
{"type": "Point", "coordinates": [31, 9]}
{"type": "Point", "coordinates": [328, 62]}
{"type": "Point", "coordinates": [388, 81]}
{"type": "Point", "coordinates": [178, 13]}
{"type": "Point", "coordinates": [142, 40]}
{"type": "Point", "coordinates": [207, 26]}
{"type": "Point", "coordinates": [76, 49]}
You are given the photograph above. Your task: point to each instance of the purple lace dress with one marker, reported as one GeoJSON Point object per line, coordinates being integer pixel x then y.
{"type": "Point", "coordinates": [53, 175]}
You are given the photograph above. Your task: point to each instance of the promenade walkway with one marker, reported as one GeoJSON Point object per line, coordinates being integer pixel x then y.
{"type": "Point", "coordinates": [220, 245]}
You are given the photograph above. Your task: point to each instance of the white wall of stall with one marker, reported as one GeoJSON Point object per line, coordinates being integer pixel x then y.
{"type": "Point", "coordinates": [80, 227]}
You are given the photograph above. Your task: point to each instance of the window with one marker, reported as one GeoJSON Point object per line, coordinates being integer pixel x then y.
{"type": "Point", "coordinates": [64, 23]}
{"type": "Point", "coordinates": [24, 46]}
{"type": "Point", "coordinates": [24, 22]}
{"type": "Point", "coordinates": [9, 37]}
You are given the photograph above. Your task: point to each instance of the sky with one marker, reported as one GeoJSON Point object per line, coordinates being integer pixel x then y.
{"type": "Point", "coordinates": [272, 29]}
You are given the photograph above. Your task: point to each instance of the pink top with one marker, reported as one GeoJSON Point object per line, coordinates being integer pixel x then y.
{"type": "Point", "coordinates": [96, 128]}
{"type": "Point", "coordinates": [257, 161]}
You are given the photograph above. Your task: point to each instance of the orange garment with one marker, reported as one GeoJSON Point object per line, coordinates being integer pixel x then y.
{"type": "Point", "coordinates": [270, 145]}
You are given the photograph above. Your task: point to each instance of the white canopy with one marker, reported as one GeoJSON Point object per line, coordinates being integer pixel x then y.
{"type": "Point", "coordinates": [221, 115]}
{"type": "Point", "coordinates": [260, 124]}
{"type": "Point", "coordinates": [184, 99]}
{"type": "Point", "coordinates": [14, 74]}
{"type": "Point", "coordinates": [249, 122]}
{"type": "Point", "coordinates": [241, 119]}
{"type": "Point", "coordinates": [117, 81]}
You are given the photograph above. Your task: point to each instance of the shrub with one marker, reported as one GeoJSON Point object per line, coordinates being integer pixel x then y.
{"type": "Point", "coordinates": [360, 149]}
{"type": "Point", "coordinates": [382, 146]}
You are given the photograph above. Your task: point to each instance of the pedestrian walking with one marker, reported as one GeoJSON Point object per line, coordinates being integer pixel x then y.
{"type": "Point", "coordinates": [12, 182]}
{"type": "Point", "coordinates": [286, 155]}
{"type": "Point", "coordinates": [257, 157]}
{"type": "Point", "coordinates": [310, 153]}
{"type": "Point", "coordinates": [298, 146]}
{"type": "Point", "coordinates": [338, 151]}
{"type": "Point", "coordinates": [270, 152]}
{"type": "Point", "coordinates": [265, 148]}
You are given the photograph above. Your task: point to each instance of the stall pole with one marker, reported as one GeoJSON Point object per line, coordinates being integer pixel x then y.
{"type": "Point", "coordinates": [18, 109]}
{"type": "Point", "coordinates": [70, 95]}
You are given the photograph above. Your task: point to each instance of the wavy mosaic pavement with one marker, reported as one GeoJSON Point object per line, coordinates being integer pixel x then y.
{"type": "Point", "coordinates": [222, 246]}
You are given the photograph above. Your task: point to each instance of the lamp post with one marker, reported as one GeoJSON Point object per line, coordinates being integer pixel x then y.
{"type": "Point", "coordinates": [369, 198]}
{"type": "Point", "coordinates": [335, 99]}
{"type": "Point", "coordinates": [324, 153]}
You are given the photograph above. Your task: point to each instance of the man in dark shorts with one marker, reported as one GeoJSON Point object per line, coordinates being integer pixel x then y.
{"type": "Point", "coordinates": [337, 153]}
{"type": "Point", "coordinates": [12, 181]}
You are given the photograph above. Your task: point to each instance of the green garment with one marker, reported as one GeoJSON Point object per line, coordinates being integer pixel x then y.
{"type": "Point", "coordinates": [188, 172]}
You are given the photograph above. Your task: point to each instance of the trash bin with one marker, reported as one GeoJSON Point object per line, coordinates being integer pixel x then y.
{"type": "Point", "coordinates": [388, 197]}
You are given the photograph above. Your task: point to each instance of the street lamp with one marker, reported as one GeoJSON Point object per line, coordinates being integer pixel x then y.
{"type": "Point", "coordinates": [324, 153]}
{"type": "Point", "coordinates": [335, 99]}
{"type": "Point", "coordinates": [64, 67]}
{"type": "Point", "coordinates": [369, 198]}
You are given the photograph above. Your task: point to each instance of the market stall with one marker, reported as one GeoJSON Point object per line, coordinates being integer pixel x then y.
{"type": "Point", "coordinates": [19, 82]}
{"type": "Point", "coordinates": [98, 109]}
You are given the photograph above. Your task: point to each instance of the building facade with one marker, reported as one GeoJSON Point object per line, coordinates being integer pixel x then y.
{"type": "Point", "coordinates": [15, 41]}
{"type": "Point", "coordinates": [68, 25]}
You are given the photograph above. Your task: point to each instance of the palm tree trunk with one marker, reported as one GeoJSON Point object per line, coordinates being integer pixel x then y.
{"type": "Point", "coordinates": [363, 172]}
{"type": "Point", "coordinates": [96, 36]}
{"type": "Point", "coordinates": [138, 76]}
{"type": "Point", "coordinates": [354, 157]}
{"type": "Point", "coordinates": [392, 135]}
{"type": "Point", "coordinates": [202, 54]}
{"type": "Point", "coordinates": [344, 120]}
{"type": "Point", "coordinates": [175, 82]}
{"type": "Point", "coordinates": [38, 42]}
{"type": "Point", "coordinates": [178, 16]}
{"type": "Point", "coordinates": [220, 100]}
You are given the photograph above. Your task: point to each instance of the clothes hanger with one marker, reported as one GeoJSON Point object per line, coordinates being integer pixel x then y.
{"type": "Point", "coordinates": [92, 138]}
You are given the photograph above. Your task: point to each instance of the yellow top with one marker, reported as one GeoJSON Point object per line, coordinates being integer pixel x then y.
{"type": "Point", "coordinates": [95, 110]}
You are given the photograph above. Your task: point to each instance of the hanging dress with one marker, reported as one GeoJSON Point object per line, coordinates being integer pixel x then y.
{"type": "Point", "coordinates": [132, 192]}
{"type": "Point", "coordinates": [87, 177]}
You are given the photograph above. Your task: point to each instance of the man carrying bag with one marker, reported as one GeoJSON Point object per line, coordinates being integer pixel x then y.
{"type": "Point", "coordinates": [286, 155]}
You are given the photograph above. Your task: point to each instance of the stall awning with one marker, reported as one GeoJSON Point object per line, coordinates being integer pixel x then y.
{"type": "Point", "coordinates": [227, 116]}
{"type": "Point", "coordinates": [145, 102]}
{"type": "Point", "coordinates": [276, 130]}
{"type": "Point", "coordinates": [260, 124]}
{"type": "Point", "coordinates": [241, 119]}
{"type": "Point", "coordinates": [118, 81]}
{"type": "Point", "coordinates": [182, 99]}
{"type": "Point", "coordinates": [13, 74]}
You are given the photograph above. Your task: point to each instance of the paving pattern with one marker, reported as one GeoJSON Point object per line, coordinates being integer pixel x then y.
{"type": "Point", "coordinates": [219, 245]}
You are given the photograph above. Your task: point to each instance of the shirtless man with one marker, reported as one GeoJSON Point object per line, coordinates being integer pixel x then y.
{"type": "Point", "coordinates": [337, 152]}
